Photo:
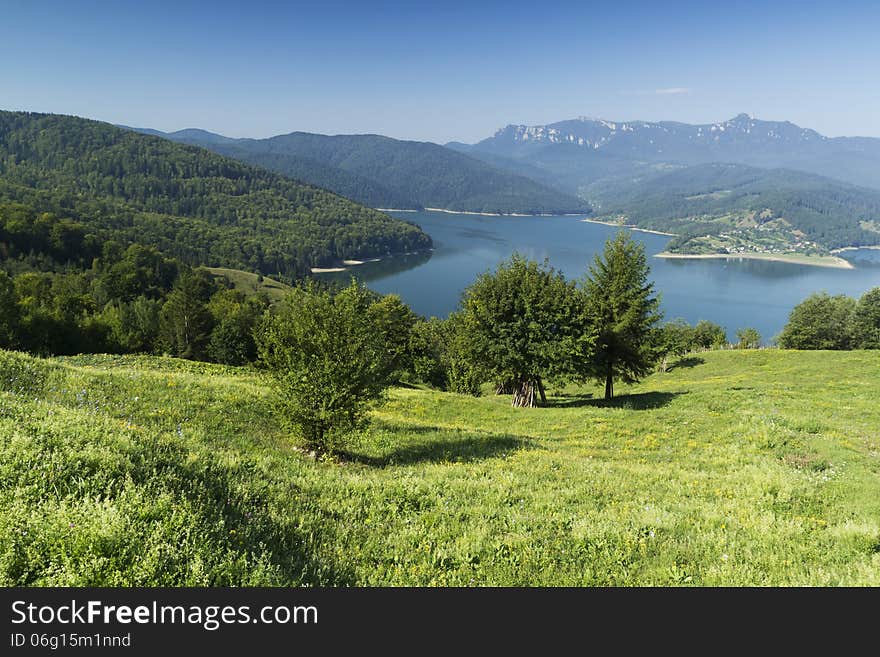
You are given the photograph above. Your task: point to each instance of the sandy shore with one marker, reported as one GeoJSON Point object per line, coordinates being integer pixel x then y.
{"type": "Point", "coordinates": [481, 214]}
{"type": "Point", "coordinates": [814, 261]}
{"type": "Point", "coordinates": [641, 230]}
{"type": "Point", "coordinates": [855, 248]}
{"type": "Point", "coordinates": [348, 264]}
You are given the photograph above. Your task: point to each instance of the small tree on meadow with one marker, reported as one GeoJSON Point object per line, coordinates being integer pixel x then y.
{"type": "Point", "coordinates": [619, 303]}
{"type": "Point", "coordinates": [708, 335]}
{"type": "Point", "coordinates": [329, 359]}
{"type": "Point", "coordinates": [235, 319]}
{"type": "Point", "coordinates": [748, 338]}
{"type": "Point", "coordinates": [675, 338]}
{"type": "Point", "coordinates": [395, 320]}
{"type": "Point", "coordinates": [518, 326]}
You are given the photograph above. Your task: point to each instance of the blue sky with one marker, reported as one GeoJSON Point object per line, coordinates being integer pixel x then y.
{"type": "Point", "coordinates": [440, 71]}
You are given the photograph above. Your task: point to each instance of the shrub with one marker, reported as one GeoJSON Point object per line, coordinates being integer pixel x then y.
{"type": "Point", "coordinates": [820, 321]}
{"type": "Point", "coordinates": [708, 335]}
{"type": "Point", "coordinates": [748, 338]}
{"type": "Point", "coordinates": [866, 321]}
{"type": "Point", "coordinates": [329, 360]}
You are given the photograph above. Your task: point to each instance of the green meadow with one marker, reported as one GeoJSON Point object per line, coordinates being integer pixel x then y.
{"type": "Point", "coordinates": [757, 467]}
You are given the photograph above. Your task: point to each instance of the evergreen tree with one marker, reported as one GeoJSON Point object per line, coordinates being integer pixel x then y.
{"type": "Point", "coordinates": [185, 324]}
{"type": "Point", "coordinates": [8, 311]}
{"type": "Point", "coordinates": [619, 303]}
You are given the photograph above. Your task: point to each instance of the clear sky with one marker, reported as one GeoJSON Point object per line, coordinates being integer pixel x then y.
{"type": "Point", "coordinates": [441, 71]}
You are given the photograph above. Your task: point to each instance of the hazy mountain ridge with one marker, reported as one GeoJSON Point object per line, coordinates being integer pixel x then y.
{"type": "Point", "coordinates": [384, 172]}
{"type": "Point", "coordinates": [741, 140]}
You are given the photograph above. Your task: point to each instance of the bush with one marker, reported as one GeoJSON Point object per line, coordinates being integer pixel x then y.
{"type": "Point", "coordinates": [866, 321]}
{"type": "Point", "coordinates": [395, 321]}
{"type": "Point", "coordinates": [236, 316]}
{"type": "Point", "coordinates": [463, 375]}
{"type": "Point", "coordinates": [820, 322]}
{"type": "Point", "coordinates": [330, 362]}
{"type": "Point", "coordinates": [748, 338]}
{"type": "Point", "coordinates": [8, 311]}
{"type": "Point", "coordinates": [675, 338]}
{"type": "Point", "coordinates": [708, 335]}
{"type": "Point", "coordinates": [427, 351]}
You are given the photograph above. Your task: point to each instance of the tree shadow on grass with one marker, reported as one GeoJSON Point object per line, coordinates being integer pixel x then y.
{"type": "Point", "coordinates": [440, 445]}
{"type": "Point", "coordinates": [567, 400]}
{"type": "Point", "coordinates": [690, 361]}
{"type": "Point", "coordinates": [641, 401]}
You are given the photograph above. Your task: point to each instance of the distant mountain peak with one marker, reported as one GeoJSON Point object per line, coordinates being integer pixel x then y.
{"type": "Point", "coordinates": [654, 138]}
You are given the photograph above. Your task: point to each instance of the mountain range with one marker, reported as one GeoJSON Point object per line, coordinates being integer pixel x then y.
{"type": "Point", "coordinates": [381, 172]}
{"type": "Point", "coordinates": [744, 178]}
{"type": "Point", "coordinates": [598, 147]}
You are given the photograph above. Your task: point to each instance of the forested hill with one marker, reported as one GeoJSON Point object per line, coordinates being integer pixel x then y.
{"type": "Point", "coordinates": [345, 183]}
{"type": "Point", "coordinates": [755, 203]}
{"type": "Point", "coordinates": [186, 201]}
{"type": "Point", "coordinates": [383, 172]}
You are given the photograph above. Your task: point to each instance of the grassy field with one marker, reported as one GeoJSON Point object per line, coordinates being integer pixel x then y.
{"type": "Point", "coordinates": [250, 283]}
{"type": "Point", "coordinates": [733, 468]}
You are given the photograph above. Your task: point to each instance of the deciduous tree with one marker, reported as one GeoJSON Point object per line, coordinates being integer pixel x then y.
{"type": "Point", "coordinates": [820, 321]}
{"type": "Point", "coordinates": [329, 360]}
{"type": "Point", "coordinates": [518, 323]}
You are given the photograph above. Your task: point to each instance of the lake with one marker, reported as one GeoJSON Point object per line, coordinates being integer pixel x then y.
{"type": "Point", "coordinates": [732, 293]}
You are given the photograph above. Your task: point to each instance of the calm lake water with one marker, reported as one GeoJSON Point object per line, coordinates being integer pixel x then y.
{"type": "Point", "coordinates": [733, 293]}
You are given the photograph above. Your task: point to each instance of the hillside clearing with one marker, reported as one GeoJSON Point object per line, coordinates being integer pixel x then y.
{"type": "Point", "coordinates": [249, 283]}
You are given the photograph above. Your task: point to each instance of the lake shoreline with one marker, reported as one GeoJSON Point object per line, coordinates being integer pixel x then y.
{"type": "Point", "coordinates": [482, 214]}
{"type": "Point", "coordinates": [349, 264]}
{"type": "Point", "coordinates": [830, 261]}
{"type": "Point", "coordinates": [855, 248]}
{"type": "Point", "coordinates": [629, 227]}
{"type": "Point", "coordinates": [731, 293]}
